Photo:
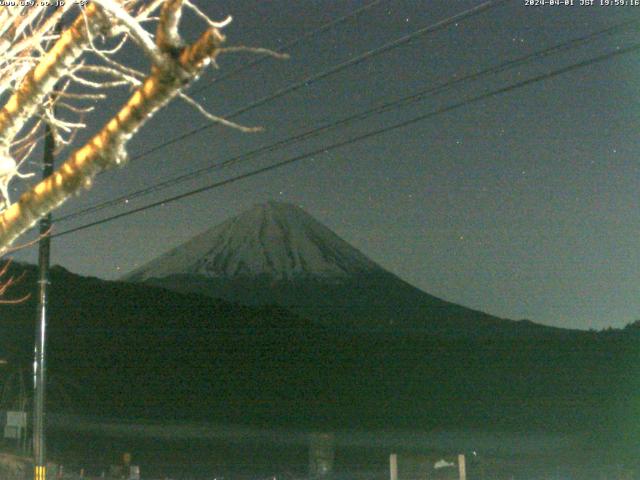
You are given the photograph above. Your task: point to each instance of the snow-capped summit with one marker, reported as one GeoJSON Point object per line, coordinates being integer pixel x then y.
{"type": "Point", "coordinates": [277, 254]}
{"type": "Point", "coordinates": [275, 240]}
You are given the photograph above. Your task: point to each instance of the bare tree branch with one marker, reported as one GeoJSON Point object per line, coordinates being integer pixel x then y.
{"type": "Point", "coordinates": [51, 71]}
{"type": "Point", "coordinates": [217, 119]}
{"type": "Point", "coordinates": [133, 27]}
{"type": "Point", "coordinates": [40, 81]}
{"type": "Point", "coordinates": [107, 148]}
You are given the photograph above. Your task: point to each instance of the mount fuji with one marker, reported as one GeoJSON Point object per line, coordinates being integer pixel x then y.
{"type": "Point", "coordinates": [276, 253]}
{"type": "Point", "coordinates": [278, 241]}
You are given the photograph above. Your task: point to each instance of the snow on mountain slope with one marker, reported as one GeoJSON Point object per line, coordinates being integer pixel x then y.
{"type": "Point", "coordinates": [276, 253]}
{"type": "Point", "coordinates": [277, 240]}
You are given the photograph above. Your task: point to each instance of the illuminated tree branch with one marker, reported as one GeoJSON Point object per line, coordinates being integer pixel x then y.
{"type": "Point", "coordinates": [174, 66]}
{"type": "Point", "coordinates": [40, 81]}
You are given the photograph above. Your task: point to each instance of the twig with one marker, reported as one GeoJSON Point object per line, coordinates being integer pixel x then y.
{"type": "Point", "coordinates": [215, 118]}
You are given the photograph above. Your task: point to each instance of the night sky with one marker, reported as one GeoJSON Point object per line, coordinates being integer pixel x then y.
{"type": "Point", "coordinates": [524, 205]}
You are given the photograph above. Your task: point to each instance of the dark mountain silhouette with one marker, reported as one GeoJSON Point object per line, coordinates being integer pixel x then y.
{"type": "Point", "coordinates": [135, 350]}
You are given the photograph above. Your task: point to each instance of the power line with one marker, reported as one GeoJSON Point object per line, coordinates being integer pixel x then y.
{"type": "Point", "coordinates": [328, 148]}
{"type": "Point", "coordinates": [310, 80]}
{"type": "Point", "coordinates": [289, 45]}
{"type": "Point", "coordinates": [401, 102]}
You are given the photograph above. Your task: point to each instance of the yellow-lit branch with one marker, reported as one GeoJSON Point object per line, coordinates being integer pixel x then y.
{"type": "Point", "coordinates": [107, 148]}
{"type": "Point", "coordinates": [40, 81]}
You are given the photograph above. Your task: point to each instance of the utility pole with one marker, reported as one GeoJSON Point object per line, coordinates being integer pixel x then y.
{"type": "Point", "coordinates": [39, 363]}
{"type": "Point", "coordinates": [393, 466]}
{"type": "Point", "coordinates": [462, 467]}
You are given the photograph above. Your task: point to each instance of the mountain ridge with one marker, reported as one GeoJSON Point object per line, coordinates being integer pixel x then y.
{"type": "Point", "coordinates": [276, 253]}
{"type": "Point", "coordinates": [135, 350]}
